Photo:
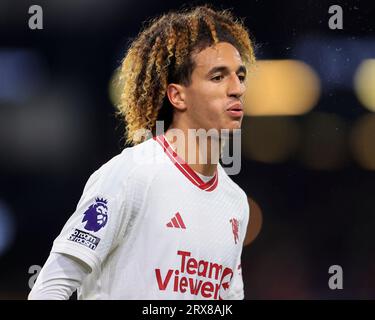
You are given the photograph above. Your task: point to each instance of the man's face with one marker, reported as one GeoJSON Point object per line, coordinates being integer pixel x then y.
{"type": "Point", "coordinates": [213, 98]}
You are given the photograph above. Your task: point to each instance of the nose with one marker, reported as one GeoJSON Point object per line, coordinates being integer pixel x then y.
{"type": "Point", "coordinates": [236, 88]}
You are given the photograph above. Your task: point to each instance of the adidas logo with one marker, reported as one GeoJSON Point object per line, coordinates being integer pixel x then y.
{"type": "Point", "coordinates": [176, 222]}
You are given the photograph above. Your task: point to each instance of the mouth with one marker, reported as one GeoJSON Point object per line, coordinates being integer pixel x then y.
{"type": "Point", "coordinates": [235, 110]}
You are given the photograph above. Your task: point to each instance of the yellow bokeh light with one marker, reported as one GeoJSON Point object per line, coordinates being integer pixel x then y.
{"type": "Point", "coordinates": [115, 87]}
{"type": "Point", "coordinates": [364, 83]}
{"type": "Point", "coordinates": [362, 141]}
{"type": "Point", "coordinates": [281, 87]}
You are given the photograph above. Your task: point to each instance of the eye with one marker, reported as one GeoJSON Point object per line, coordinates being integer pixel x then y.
{"type": "Point", "coordinates": [217, 78]}
{"type": "Point", "coordinates": [242, 77]}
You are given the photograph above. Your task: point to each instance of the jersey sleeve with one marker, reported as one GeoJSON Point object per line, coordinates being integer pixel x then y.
{"type": "Point", "coordinates": [59, 278]}
{"type": "Point", "coordinates": [94, 229]}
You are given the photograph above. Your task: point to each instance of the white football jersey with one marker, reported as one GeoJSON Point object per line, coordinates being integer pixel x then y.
{"type": "Point", "coordinates": [149, 227]}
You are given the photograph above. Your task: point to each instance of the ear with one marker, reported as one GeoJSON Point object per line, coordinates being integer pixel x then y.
{"type": "Point", "coordinates": [176, 96]}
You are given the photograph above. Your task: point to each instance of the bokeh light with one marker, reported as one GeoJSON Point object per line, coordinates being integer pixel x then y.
{"type": "Point", "coordinates": [46, 133]}
{"type": "Point", "coordinates": [255, 222]}
{"type": "Point", "coordinates": [364, 83]}
{"type": "Point", "coordinates": [7, 228]}
{"type": "Point", "coordinates": [23, 75]}
{"type": "Point", "coordinates": [281, 87]}
{"type": "Point", "coordinates": [362, 139]}
{"type": "Point", "coordinates": [115, 87]}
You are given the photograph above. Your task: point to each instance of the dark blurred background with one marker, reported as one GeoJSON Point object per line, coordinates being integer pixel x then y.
{"type": "Point", "coordinates": [308, 155]}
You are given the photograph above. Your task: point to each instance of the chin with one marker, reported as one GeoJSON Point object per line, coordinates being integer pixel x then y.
{"type": "Point", "coordinates": [234, 125]}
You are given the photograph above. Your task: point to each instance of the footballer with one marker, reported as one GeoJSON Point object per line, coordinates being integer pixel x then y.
{"type": "Point", "coordinates": [151, 223]}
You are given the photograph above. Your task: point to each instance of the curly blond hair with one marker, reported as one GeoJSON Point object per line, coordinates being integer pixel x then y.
{"type": "Point", "coordinates": [162, 54]}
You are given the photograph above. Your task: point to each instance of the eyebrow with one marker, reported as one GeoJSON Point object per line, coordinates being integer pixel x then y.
{"type": "Point", "coordinates": [225, 69]}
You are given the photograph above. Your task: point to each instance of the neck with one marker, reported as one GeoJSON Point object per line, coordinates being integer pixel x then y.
{"type": "Point", "coordinates": [202, 155]}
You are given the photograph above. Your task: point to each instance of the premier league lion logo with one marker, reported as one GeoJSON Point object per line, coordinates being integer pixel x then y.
{"type": "Point", "coordinates": [96, 215]}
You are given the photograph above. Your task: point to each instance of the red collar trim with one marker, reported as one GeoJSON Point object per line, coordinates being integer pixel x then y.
{"type": "Point", "coordinates": [187, 171]}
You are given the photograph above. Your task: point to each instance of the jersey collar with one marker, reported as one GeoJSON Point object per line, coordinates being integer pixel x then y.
{"type": "Point", "coordinates": [187, 171]}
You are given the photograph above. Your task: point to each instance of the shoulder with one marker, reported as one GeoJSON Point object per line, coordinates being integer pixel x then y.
{"type": "Point", "coordinates": [132, 163]}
